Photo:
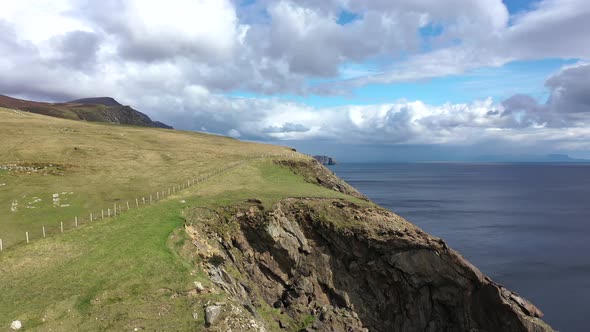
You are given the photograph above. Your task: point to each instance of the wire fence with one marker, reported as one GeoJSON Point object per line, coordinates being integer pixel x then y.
{"type": "Point", "coordinates": [121, 207]}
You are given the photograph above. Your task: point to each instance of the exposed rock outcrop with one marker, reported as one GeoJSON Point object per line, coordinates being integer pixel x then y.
{"type": "Point", "coordinates": [106, 101]}
{"type": "Point", "coordinates": [314, 172]}
{"type": "Point", "coordinates": [114, 112]}
{"type": "Point", "coordinates": [212, 314]}
{"type": "Point", "coordinates": [333, 265]}
{"type": "Point", "coordinates": [325, 160]}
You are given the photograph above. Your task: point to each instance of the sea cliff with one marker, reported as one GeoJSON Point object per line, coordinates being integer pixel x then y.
{"type": "Point", "coordinates": [325, 160]}
{"type": "Point", "coordinates": [337, 265]}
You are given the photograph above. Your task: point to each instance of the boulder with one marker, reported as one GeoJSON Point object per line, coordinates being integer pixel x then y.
{"type": "Point", "coordinates": [199, 286]}
{"type": "Point", "coordinates": [16, 325]}
{"type": "Point", "coordinates": [212, 314]}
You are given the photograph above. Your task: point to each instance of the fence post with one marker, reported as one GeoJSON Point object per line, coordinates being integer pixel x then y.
{"type": "Point", "coordinates": [91, 218]}
{"type": "Point", "coordinates": [158, 196]}
{"type": "Point", "coordinates": [143, 199]}
{"type": "Point", "coordinates": [115, 210]}
{"type": "Point", "coordinates": [27, 234]}
{"type": "Point", "coordinates": [150, 198]}
{"type": "Point", "coordinates": [61, 226]}
{"type": "Point", "coordinates": [127, 205]}
{"type": "Point", "coordinates": [109, 212]}
{"type": "Point", "coordinates": [1, 248]}
{"type": "Point", "coordinates": [136, 202]}
{"type": "Point", "coordinates": [43, 231]}
{"type": "Point", "coordinates": [76, 221]}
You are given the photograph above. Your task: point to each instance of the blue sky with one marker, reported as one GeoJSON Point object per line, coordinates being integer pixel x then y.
{"type": "Point", "coordinates": [420, 80]}
{"type": "Point", "coordinates": [527, 77]}
{"type": "Point", "coordinates": [517, 6]}
{"type": "Point", "coordinates": [501, 82]}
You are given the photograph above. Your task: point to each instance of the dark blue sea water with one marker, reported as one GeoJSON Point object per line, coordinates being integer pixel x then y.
{"type": "Point", "coordinates": [527, 226]}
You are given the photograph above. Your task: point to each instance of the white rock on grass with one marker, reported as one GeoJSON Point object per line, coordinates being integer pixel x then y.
{"type": "Point", "coordinates": [14, 206]}
{"type": "Point", "coordinates": [199, 286]}
{"type": "Point", "coordinates": [16, 325]}
{"type": "Point", "coordinates": [56, 202]}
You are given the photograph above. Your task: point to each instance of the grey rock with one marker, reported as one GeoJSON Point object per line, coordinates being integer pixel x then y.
{"type": "Point", "coordinates": [355, 267]}
{"type": "Point", "coordinates": [212, 314]}
{"type": "Point", "coordinates": [199, 286]}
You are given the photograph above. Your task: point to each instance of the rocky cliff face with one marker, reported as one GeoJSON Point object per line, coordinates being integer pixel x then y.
{"type": "Point", "coordinates": [325, 160]}
{"type": "Point", "coordinates": [114, 112]}
{"type": "Point", "coordinates": [334, 265]}
{"type": "Point", "coordinates": [314, 172]}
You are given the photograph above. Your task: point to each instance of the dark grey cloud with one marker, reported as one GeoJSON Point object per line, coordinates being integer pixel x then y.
{"type": "Point", "coordinates": [553, 29]}
{"type": "Point", "coordinates": [76, 49]}
{"type": "Point", "coordinates": [28, 73]}
{"type": "Point", "coordinates": [568, 103]}
{"type": "Point", "coordinates": [524, 111]}
{"type": "Point", "coordinates": [570, 90]}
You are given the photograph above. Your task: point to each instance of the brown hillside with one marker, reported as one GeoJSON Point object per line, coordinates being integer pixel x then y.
{"type": "Point", "coordinates": [102, 109]}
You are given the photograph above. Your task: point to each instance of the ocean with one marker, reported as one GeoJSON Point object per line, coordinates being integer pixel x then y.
{"type": "Point", "coordinates": [527, 226]}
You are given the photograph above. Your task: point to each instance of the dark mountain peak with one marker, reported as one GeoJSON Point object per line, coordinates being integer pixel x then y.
{"type": "Point", "coordinates": [97, 109]}
{"type": "Point", "coordinates": [106, 101]}
{"type": "Point", "coordinates": [159, 124]}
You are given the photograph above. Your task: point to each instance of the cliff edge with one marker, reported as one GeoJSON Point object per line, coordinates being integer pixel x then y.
{"type": "Point", "coordinates": [325, 160]}
{"type": "Point", "coordinates": [340, 265]}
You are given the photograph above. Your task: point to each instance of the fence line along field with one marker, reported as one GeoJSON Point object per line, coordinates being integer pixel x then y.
{"type": "Point", "coordinates": [54, 171]}
{"type": "Point", "coordinates": [117, 209]}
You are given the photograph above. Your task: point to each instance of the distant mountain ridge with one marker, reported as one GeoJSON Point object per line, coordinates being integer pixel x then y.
{"type": "Point", "coordinates": [106, 101]}
{"type": "Point", "coordinates": [557, 158]}
{"type": "Point", "coordinates": [96, 109]}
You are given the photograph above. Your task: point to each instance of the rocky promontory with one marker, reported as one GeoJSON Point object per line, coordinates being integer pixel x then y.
{"type": "Point", "coordinates": [325, 160]}
{"type": "Point", "coordinates": [344, 265]}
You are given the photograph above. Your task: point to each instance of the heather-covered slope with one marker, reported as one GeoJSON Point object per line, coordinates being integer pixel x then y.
{"type": "Point", "coordinates": [102, 109]}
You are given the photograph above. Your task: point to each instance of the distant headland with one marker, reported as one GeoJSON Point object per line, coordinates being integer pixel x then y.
{"type": "Point", "coordinates": [325, 160]}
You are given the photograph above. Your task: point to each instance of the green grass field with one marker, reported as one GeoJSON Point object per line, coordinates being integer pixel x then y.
{"type": "Point", "coordinates": [92, 166]}
{"type": "Point", "coordinates": [126, 272]}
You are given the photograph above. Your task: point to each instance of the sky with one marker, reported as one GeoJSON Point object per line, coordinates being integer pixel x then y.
{"type": "Point", "coordinates": [379, 80]}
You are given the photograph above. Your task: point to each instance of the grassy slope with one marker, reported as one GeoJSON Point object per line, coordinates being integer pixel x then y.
{"type": "Point", "coordinates": [122, 273]}
{"type": "Point", "coordinates": [103, 164]}
{"type": "Point", "coordinates": [90, 110]}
